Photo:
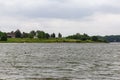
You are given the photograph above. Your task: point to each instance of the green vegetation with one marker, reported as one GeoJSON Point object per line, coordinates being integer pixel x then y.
{"type": "Point", "coordinates": [51, 40]}
{"type": "Point", "coordinates": [85, 38]}
{"type": "Point", "coordinates": [3, 36]}
{"type": "Point", "coordinates": [37, 40]}
{"type": "Point", "coordinates": [112, 38]}
{"type": "Point", "coordinates": [18, 34]}
{"type": "Point", "coordinates": [43, 37]}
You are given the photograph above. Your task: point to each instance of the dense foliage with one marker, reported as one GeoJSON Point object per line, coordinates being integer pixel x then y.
{"type": "Point", "coordinates": [18, 34]}
{"type": "Point", "coordinates": [3, 36]}
{"type": "Point", "coordinates": [35, 34]}
{"type": "Point", "coordinates": [112, 38]}
{"type": "Point", "coordinates": [85, 37]}
{"type": "Point", "coordinates": [43, 35]}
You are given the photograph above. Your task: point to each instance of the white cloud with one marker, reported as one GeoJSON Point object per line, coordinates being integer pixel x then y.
{"type": "Point", "coordinates": [66, 16]}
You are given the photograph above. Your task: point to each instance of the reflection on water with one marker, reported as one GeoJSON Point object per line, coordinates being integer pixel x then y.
{"type": "Point", "coordinates": [59, 61]}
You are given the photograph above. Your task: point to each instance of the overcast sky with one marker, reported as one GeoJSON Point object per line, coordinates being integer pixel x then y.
{"type": "Point", "coordinates": [94, 17]}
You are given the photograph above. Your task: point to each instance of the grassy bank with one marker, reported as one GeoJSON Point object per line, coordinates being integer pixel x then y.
{"type": "Point", "coordinates": [56, 40]}
{"type": "Point", "coordinates": [28, 40]}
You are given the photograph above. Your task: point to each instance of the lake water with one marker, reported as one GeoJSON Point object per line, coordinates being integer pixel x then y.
{"type": "Point", "coordinates": [60, 61]}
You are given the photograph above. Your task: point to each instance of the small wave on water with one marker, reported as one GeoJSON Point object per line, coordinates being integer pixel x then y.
{"type": "Point", "coordinates": [49, 61]}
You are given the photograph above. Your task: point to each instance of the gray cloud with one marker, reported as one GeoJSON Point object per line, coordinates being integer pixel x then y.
{"type": "Point", "coordinates": [55, 9]}
{"type": "Point", "coordinates": [66, 16]}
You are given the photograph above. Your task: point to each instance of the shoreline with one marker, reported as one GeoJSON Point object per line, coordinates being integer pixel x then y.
{"type": "Point", "coordinates": [56, 40]}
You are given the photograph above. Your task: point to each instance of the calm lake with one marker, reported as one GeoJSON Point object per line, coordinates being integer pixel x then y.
{"type": "Point", "coordinates": [60, 61]}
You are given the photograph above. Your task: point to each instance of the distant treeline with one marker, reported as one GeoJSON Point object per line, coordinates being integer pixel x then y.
{"type": "Point", "coordinates": [35, 34]}
{"type": "Point", "coordinates": [43, 35]}
{"type": "Point", "coordinates": [32, 34]}
{"type": "Point", "coordinates": [112, 38]}
{"type": "Point", "coordinates": [85, 37]}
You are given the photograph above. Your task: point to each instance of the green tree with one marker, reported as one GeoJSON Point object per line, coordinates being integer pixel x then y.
{"type": "Point", "coordinates": [41, 34]}
{"type": "Point", "coordinates": [75, 36]}
{"type": "Point", "coordinates": [59, 35]}
{"type": "Point", "coordinates": [3, 36]}
{"type": "Point", "coordinates": [47, 36]}
{"type": "Point", "coordinates": [79, 36]}
{"type": "Point", "coordinates": [25, 35]}
{"type": "Point", "coordinates": [33, 32]}
{"type": "Point", "coordinates": [85, 37]}
{"type": "Point", "coordinates": [94, 38]}
{"type": "Point", "coordinates": [18, 34]}
{"type": "Point", "coordinates": [53, 35]}
{"type": "Point", "coordinates": [30, 36]}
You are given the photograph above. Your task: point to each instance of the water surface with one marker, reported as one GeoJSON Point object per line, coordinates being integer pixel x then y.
{"type": "Point", "coordinates": [59, 61]}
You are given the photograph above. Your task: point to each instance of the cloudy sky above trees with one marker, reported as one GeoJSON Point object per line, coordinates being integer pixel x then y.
{"type": "Point", "coordinates": [94, 17]}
